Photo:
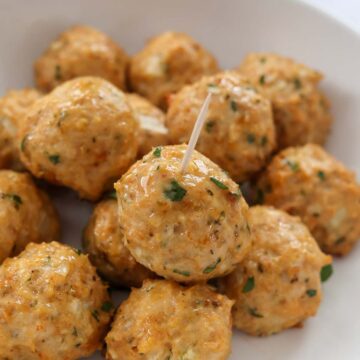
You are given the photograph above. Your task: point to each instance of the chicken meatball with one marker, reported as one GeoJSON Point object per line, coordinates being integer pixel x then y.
{"type": "Point", "coordinates": [239, 132]}
{"type": "Point", "coordinates": [82, 135]}
{"type": "Point", "coordinates": [26, 214]}
{"type": "Point", "coordinates": [103, 241]}
{"type": "Point", "coordinates": [278, 284]}
{"type": "Point", "coordinates": [187, 227]}
{"type": "Point", "coordinates": [301, 111]}
{"type": "Point", "coordinates": [181, 323]}
{"type": "Point", "coordinates": [308, 182]}
{"type": "Point", "coordinates": [13, 107]}
{"type": "Point", "coordinates": [81, 51]}
{"type": "Point", "coordinates": [151, 120]}
{"type": "Point", "coordinates": [53, 306]}
{"type": "Point", "coordinates": [167, 63]}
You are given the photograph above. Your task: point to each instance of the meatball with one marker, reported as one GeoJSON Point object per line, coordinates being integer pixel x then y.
{"type": "Point", "coordinates": [239, 133]}
{"type": "Point", "coordinates": [82, 135]}
{"type": "Point", "coordinates": [81, 51]}
{"type": "Point", "coordinates": [53, 306]}
{"type": "Point", "coordinates": [26, 214]}
{"type": "Point", "coordinates": [13, 107]}
{"type": "Point", "coordinates": [151, 120]}
{"type": "Point", "coordinates": [301, 111]}
{"type": "Point", "coordinates": [187, 227]}
{"type": "Point", "coordinates": [167, 63]}
{"type": "Point", "coordinates": [278, 284]}
{"type": "Point", "coordinates": [308, 182]}
{"type": "Point", "coordinates": [181, 323]}
{"type": "Point", "coordinates": [103, 241]}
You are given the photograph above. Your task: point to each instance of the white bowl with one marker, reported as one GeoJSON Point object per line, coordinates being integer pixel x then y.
{"type": "Point", "coordinates": [230, 29]}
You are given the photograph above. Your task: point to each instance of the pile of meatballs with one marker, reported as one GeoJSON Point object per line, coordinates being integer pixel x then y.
{"type": "Point", "coordinates": [197, 257]}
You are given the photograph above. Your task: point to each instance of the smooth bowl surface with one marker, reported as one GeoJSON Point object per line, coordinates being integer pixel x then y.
{"type": "Point", "coordinates": [230, 29]}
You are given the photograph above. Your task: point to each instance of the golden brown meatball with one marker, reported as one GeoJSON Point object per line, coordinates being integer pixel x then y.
{"type": "Point", "coordinates": [239, 133]}
{"type": "Point", "coordinates": [167, 63]}
{"type": "Point", "coordinates": [278, 284]}
{"type": "Point", "coordinates": [103, 241]}
{"type": "Point", "coordinates": [14, 105]}
{"type": "Point", "coordinates": [301, 111]}
{"type": "Point", "coordinates": [180, 323]}
{"type": "Point", "coordinates": [82, 135]}
{"type": "Point", "coordinates": [151, 120]}
{"type": "Point", "coordinates": [80, 51]}
{"type": "Point", "coordinates": [26, 214]}
{"type": "Point", "coordinates": [53, 306]}
{"type": "Point", "coordinates": [187, 227]}
{"type": "Point", "coordinates": [308, 182]}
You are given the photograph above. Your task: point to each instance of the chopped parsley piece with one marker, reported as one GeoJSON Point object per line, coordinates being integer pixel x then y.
{"type": "Point", "coordinates": [311, 292]}
{"type": "Point", "coordinates": [22, 144]}
{"type": "Point", "coordinates": [218, 183]}
{"type": "Point", "coordinates": [110, 195]}
{"type": "Point", "coordinates": [212, 86]}
{"type": "Point", "coordinates": [233, 105]}
{"type": "Point", "coordinates": [264, 140]}
{"type": "Point", "coordinates": [326, 272]}
{"type": "Point", "coordinates": [78, 251]}
{"type": "Point", "coordinates": [107, 306]}
{"type": "Point", "coordinates": [212, 267]}
{"type": "Point", "coordinates": [55, 158]}
{"type": "Point", "coordinates": [16, 199]}
{"type": "Point", "coordinates": [250, 138]}
{"type": "Point", "coordinates": [181, 272]}
{"type": "Point", "coordinates": [249, 285]}
{"type": "Point", "coordinates": [297, 84]}
{"type": "Point", "coordinates": [174, 191]}
{"type": "Point", "coordinates": [58, 74]}
{"type": "Point", "coordinates": [263, 60]}
{"type": "Point", "coordinates": [209, 126]}
{"type": "Point", "coordinates": [254, 312]}
{"type": "Point", "coordinates": [262, 80]}
{"type": "Point", "coordinates": [294, 166]}
{"type": "Point", "coordinates": [321, 175]}
{"type": "Point", "coordinates": [95, 315]}
{"type": "Point", "coordinates": [340, 240]}
{"type": "Point", "coordinates": [157, 152]}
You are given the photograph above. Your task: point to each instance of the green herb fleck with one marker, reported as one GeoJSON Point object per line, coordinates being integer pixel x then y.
{"type": "Point", "coordinates": [209, 126]}
{"type": "Point", "coordinates": [55, 158]}
{"type": "Point", "coordinates": [321, 175]}
{"type": "Point", "coordinates": [95, 315]}
{"type": "Point", "coordinates": [340, 240]}
{"type": "Point", "coordinates": [58, 74]}
{"type": "Point", "coordinates": [181, 272]}
{"type": "Point", "coordinates": [250, 138]}
{"type": "Point", "coordinates": [233, 105]}
{"type": "Point", "coordinates": [157, 152]}
{"type": "Point", "coordinates": [249, 285]}
{"type": "Point", "coordinates": [22, 144]}
{"type": "Point", "coordinates": [174, 191]}
{"type": "Point", "coordinates": [311, 292]}
{"type": "Point", "coordinates": [218, 183]}
{"type": "Point", "coordinates": [297, 84]}
{"type": "Point", "coordinates": [212, 267]}
{"type": "Point", "coordinates": [263, 60]}
{"type": "Point", "coordinates": [16, 199]}
{"type": "Point", "coordinates": [326, 272]}
{"type": "Point", "coordinates": [78, 251]}
{"type": "Point", "coordinates": [294, 166]}
{"type": "Point", "coordinates": [262, 80]}
{"type": "Point", "coordinates": [107, 306]}
{"type": "Point", "coordinates": [213, 86]}
{"type": "Point", "coordinates": [264, 140]}
{"type": "Point", "coordinates": [254, 312]}
{"type": "Point", "coordinates": [110, 195]}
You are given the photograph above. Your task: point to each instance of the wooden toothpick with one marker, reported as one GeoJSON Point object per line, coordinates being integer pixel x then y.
{"type": "Point", "coordinates": [195, 133]}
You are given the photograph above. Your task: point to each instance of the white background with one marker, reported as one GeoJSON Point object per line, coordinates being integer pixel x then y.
{"type": "Point", "coordinates": [348, 11]}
